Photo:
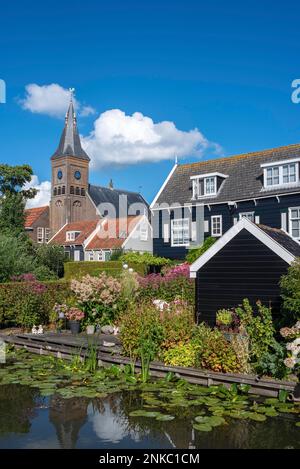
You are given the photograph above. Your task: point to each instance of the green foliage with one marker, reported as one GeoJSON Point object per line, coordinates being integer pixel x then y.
{"type": "Point", "coordinates": [181, 287]}
{"type": "Point", "coordinates": [77, 270]}
{"type": "Point", "coordinates": [43, 273]}
{"type": "Point", "coordinates": [178, 324]}
{"type": "Point", "coordinates": [181, 355]}
{"type": "Point", "coordinates": [290, 292]}
{"type": "Point", "coordinates": [13, 197]}
{"type": "Point", "coordinates": [271, 363]}
{"type": "Point", "coordinates": [214, 352]}
{"type": "Point", "coordinates": [144, 258]}
{"type": "Point", "coordinates": [14, 257]}
{"type": "Point", "coordinates": [259, 328]}
{"type": "Point", "coordinates": [224, 317]}
{"type": "Point", "coordinates": [51, 257]}
{"type": "Point", "coordinates": [27, 303]}
{"type": "Point", "coordinates": [195, 253]}
{"type": "Point", "coordinates": [116, 254]}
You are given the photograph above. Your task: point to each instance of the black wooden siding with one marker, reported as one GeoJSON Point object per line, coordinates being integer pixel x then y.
{"type": "Point", "coordinates": [269, 211]}
{"type": "Point", "coordinates": [243, 268]}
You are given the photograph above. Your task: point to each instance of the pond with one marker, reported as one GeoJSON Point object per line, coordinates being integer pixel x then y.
{"type": "Point", "coordinates": [46, 403]}
{"type": "Point", "coordinates": [28, 420]}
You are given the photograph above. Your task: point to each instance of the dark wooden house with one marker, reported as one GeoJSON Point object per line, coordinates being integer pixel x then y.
{"type": "Point", "coordinates": [247, 262]}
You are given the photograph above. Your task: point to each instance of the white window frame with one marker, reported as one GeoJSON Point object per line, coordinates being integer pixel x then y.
{"type": "Point", "coordinates": [211, 178]}
{"type": "Point", "coordinates": [183, 220]}
{"type": "Point", "coordinates": [91, 256]}
{"type": "Point", "coordinates": [40, 235]}
{"type": "Point", "coordinates": [249, 215]}
{"type": "Point", "coordinates": [71, 235]}
{"type": "Point", "coordinates": [47, 234]}
{"type": "Point", "coordinates": [281, 175]}
{"type": "Point", "coordinates": [219, 218]}
{"type": "Point", "coordinates": [294, 219]}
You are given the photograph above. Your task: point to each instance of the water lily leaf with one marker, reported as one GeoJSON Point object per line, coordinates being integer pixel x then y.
{"type": "Point", "coordinates": [297, 424]}
{"type": "Point", "coordinates": [202, 427]}
{"type": "Point", "coordinates": [144, 413]}
{"type": "Point", "coordinates": [165, 418]}
{"type": "Point", "coordinates": [256, 417]}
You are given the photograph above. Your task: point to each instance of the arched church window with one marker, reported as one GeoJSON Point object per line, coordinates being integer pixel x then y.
{"type": "Point", "coordinates": [63, 189]}
{"type": "Point", "coordinates": [54, 191]}
{"type": "Point", "coordinates": [83, 192]}
{"type": "Point", "coordinates": [58, 203]}
{"type": "Point", "coordinates": [77, 191]}
{"type": "Point", "coordinates": [72, 190]}
{"type": "Point", "coordinates": [59, 191]}
{"type": "Point", "coordinates": [77, 203]}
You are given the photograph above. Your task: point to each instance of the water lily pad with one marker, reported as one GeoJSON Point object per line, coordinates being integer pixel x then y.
{"type": "Point", "coordinates": [256, 417]}
{"type": "Point", "coordinates": [165, 418]}
{"type": "Point", "coordinates": [297, 424]}
{"type": "Point", "coordinates": [202, 427]}
{"type": "Point", "coordinates": [144, 413]}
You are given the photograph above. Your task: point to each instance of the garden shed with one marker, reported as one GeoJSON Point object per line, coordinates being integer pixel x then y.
{"type": "Point", "coordinates": [247, 262]}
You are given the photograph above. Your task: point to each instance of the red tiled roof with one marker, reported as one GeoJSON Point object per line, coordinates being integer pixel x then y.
{"type": "Point", "coordinates": [116, 232]}
{"type": "Point", "coordinates": [85, 228]}
{"type": "Point", "coordinates": [33, 214]}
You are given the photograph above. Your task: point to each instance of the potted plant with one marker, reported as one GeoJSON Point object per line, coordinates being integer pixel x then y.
{"type": "Point", "coordinates": [74, 316]}
{"type": "Point", "coordinates": [229, 323]}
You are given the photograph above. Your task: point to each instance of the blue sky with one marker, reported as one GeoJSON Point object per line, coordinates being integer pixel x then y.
{"type": "Point", "coordinates": [224, 68]}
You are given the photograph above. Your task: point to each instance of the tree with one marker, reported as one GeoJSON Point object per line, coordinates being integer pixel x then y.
{"type": "Point", "coordinates": [14, 258]}
{"type": "Point", "coordinates": [290, 293]}
{"type": "Point", "coordinates": [13, 197]}
{"type": "Point", "coordinates": [52, 257]}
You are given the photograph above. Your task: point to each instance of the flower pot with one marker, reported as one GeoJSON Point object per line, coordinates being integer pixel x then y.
{"type": "Point", "coordinates": [74, 327]}
{"type": "Point", "coordinates": [90, 330]}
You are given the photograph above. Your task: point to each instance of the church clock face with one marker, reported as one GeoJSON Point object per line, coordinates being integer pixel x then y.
{"type": "Point", "coordinates": [59, 175]}
{"type": "Point", "coordinates": [77, 175]}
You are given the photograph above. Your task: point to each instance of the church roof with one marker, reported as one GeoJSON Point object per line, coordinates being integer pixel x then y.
{"type": "Point", "coordinates": [107, 195]}
{"type": "Point", "coordinates": [70, 144]}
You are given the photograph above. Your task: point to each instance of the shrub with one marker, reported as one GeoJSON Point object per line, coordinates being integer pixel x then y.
{"type": "Point", "coordinates": [145, 258]}
{"type": "Point", "coordinates": [290, 292]}
{"type": "Point", "coordinates": [195, 253]}
{"type": "Point", "coordinates": [259, 328]}
{"type": "Point", "coordinates": [224, 317]}
{"type": "Point", "coordinates": [174, 283]}
{"type": "Point", "coordinates": [181, 355]}
{"type": "Point", "coordinates": [271, 363]}
{"type": "Point", "coordinates": [51, 257]}
{"type": "Point", "coordinates": [98, 297]}
{"type": "Point", "coordinates": [214, 352]}
{"type": "Point", "coordinates": [14, 258]}
{"type": "Point", "coordinates": [27, 303]}
{"type": "Point", "coordinates": [77, 270]}
{"type": "Point", "coordinates": [178, 324]}
{"type": "Point", "coordinates": [138, 324]}
{"type": "Point", "coordinates": [116, 254]}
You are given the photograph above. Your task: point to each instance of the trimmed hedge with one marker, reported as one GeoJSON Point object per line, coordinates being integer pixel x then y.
{"type": "Point", "coordinates": [27, 303]}
{"type": "Point", "coordinates": [76, 270]}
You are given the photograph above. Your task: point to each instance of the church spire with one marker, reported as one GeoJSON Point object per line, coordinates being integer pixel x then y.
{"type": "Point", "coordinates": [70, 144]}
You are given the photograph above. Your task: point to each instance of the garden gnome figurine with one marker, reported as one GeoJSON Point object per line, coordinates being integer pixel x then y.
{"type": "Point", "coordinates": [34, 330]}
{"type": "Point", "coordinates": [40, 330]}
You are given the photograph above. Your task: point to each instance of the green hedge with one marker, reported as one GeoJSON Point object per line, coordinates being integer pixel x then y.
{"type": "Point", "coordinates": [27, 303]}
{"type": "Point", "coordinates": [114, 268]}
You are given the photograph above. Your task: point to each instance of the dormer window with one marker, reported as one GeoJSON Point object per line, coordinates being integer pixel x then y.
{"type": "Point", "coordinates": [72, 235]}
{"type": "Point", "coordinates": [281, 173]}
{"type": "Point", "coordinates": [207, 185]}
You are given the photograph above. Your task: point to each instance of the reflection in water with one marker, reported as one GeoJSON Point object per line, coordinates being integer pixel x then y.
{"type": "Point", "coordinates": [27, 420]}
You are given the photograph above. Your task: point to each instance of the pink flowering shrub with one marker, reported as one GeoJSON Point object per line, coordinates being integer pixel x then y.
{"type": "Point", "coordinates": [24, 278]}
{"type": "Point", "coordinates": [173, 283]}
{"type": "Point", "coordinates": [292, 362]}
{"type": "Point", "coordinates": [74, 314]}
{"type": "Point", "coordinates": [98, 297]}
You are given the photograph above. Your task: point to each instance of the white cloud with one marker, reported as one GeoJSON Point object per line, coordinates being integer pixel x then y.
{"type": "Point", "coordinates": [52, 100]}
{"type": "Point", "coordinates": [44, 192]}
{"type": "Point", "coordinates": [121, 139]}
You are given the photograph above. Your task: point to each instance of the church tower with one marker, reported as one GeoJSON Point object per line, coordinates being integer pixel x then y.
{"type": "Point", "coordinates": [70, 177]}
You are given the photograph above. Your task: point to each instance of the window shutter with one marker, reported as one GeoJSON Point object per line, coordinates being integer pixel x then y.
{"type": "Point", "coordinates": [194, 231]}
{"type": "Point", "coordinates": [206, 226]}
{"type": "Point", "coordinates": [235, 220]}
{"type": "Point", "coordinates": [166, 232]}
{"type": "Point", "coordinates": [284, 221]}
{"type": "Point", "coordinates": [257, 219]}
